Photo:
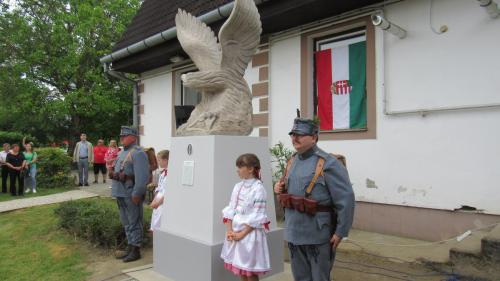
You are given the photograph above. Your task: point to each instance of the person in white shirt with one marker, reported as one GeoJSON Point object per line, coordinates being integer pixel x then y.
{"type": "Point", "coordinates": [157, 203]}
{"type": "Point", "coordinates": [5, 168]}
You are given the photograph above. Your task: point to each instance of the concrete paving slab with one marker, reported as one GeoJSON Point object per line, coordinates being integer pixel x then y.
{"type": "Point", "coordinates": [471, 244]}
{"type": "Point", "coordinates": [494, 234]}
{"type": "Point", "coordinates": [398, 249]}
{"type": "Point", "coordinates": [146, 273]}
{"type": "Point", "coordinates": [44, 200]}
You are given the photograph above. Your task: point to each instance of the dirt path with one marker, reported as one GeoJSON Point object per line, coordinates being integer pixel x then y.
{"type": "Point", "coordinates": [104, 266]}
{"type": "Point", "coordinates": [360, 266]}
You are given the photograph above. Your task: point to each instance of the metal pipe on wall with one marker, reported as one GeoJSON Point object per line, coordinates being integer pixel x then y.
{"type": "Point", "coordinates": [135, 85]}
{"type": "Point", "coordinates": [171, 33]}
{"type": "Point", "coordinates": [208, 18]}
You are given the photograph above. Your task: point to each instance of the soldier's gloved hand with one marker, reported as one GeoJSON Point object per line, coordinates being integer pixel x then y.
{"type": "Point", "coordinates": [136, 200]}
{"type": "Point", "coordinates": [279, 186]}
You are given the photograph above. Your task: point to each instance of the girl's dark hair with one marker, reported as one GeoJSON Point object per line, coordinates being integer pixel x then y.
{"type": "Point", "coordinates": [249, 160]}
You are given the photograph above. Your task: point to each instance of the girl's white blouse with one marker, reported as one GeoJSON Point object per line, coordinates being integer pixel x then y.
{"type": "Point", "coordinates": [247, 205]}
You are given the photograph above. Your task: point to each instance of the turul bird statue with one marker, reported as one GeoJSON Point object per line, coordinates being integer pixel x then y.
{"type": "Point", "coordinates": [226, 100]}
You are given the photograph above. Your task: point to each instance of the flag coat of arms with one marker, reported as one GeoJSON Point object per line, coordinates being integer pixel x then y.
{"type": "Point", "coordinates": [341, 84]}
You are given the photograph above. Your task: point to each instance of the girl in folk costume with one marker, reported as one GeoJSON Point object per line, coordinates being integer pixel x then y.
{"type": "Point", "coordinates": [245, 251]}
{"type": "Point", "coordinates": [157, 203]}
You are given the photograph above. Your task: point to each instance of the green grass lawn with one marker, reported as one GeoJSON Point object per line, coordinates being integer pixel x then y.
{"type": "Point", "coordinates": [33, 247]}
{"type": "Point", "coordinates": [39, 192]}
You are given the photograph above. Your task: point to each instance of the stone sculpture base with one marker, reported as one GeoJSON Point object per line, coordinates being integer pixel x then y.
{"type": "Point", "coordinates": [188, 246]}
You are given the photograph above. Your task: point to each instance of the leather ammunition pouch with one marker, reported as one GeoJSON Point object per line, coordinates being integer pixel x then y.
{"type": "Point", "coordinates": [285, 200]}
{"type": "Point", "coordinates": [121, 177]}
{"type": "Point", "coordinates": [310, 206]}
{"type": "Point", "coordinates": [297, 203]}
{"type": "Point", "coordinates": [304, 204]}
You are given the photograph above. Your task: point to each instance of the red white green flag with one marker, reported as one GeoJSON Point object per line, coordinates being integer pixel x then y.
{"type": "Point", "coordinates": [341, 85]}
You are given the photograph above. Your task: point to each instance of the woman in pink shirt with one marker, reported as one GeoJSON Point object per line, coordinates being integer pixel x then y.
{"type": "Point", "coordinates": [111, 156]}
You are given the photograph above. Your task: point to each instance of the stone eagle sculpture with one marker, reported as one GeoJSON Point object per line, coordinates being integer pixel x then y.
{"type": "Point", "coordinates": [226, 102]}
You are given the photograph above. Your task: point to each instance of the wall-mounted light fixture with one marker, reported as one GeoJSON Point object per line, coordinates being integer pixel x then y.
{"type": "Point", "coordinates": [380, 21]}
{"type": "Point", "coordinates": [490, 7]}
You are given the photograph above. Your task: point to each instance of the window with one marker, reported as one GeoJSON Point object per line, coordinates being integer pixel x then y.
{"type": "Point", "coordinates": [185, 98]}
{"type": "Point", "coordinates": [189, 96]}
{"type": "Point", "coordinates": [339, 75]}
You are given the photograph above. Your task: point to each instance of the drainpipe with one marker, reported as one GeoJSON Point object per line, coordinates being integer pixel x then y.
{"type": "Point", "coordinates": [135, 84]}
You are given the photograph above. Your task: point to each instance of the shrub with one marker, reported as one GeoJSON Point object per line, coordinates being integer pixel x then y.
{"type": "Point", "coordinates": [53, 168]}
{"type": "Point", "coordinates": [14, 137]}
{"type": "Point", "coordinates": [97, 221]}
{"type": "Point", "coordinates": [280, 155]}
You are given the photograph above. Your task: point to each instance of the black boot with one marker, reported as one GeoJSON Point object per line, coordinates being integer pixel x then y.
{"type": "Point", "coordinates": [125, 254]}
{"type": "Point", "coordinates": [134, 255]}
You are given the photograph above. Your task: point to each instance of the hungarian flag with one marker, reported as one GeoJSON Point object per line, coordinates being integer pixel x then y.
{"type": "Point", "coordinates": [341, 85]}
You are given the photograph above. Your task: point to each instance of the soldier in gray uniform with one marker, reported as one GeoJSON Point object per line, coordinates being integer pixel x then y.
{"type": "Point", "coordinates": [130, 176]}
{"type": "Point", "coordinates": [313, 239]}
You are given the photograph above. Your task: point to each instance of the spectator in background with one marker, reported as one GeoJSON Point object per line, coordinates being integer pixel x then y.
{"type": "Point", "coordinates": [30, 176]}
{"type": "Point", "coordinates": [5, 168]}
{"type": "Point", "coordinates": [157, 203]}
{"type": "Point", "coordinates": [111, 155]}
{"type": "Point", "coordinates": [83, 156]}
{"type": "Point", "coordinates": [100, 151]}
{"type": "Point", "coordinates": [16, 163]}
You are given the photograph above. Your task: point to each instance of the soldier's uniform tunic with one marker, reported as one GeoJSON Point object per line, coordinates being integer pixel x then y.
{"type": "Point", "coordinates": [131, 215]}
{"type": "Point", "coordinates": [309, 236]}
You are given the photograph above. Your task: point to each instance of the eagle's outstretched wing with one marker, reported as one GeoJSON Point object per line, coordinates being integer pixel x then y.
{"type": "Point", "coordinates": [199, 41]}
{"type": "Point", "coordinates": [240, 36]}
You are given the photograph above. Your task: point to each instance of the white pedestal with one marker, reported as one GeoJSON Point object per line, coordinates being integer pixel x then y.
{"type": "Point", "coordinates": [188, 246]}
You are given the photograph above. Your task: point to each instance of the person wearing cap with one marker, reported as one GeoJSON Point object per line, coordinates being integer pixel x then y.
{"type": "Point", "coordinates": [313, 239]}
{"type": "Point", "coordinates": [130, 177]}
{"type": "Point", "coordinates": [83, 155]}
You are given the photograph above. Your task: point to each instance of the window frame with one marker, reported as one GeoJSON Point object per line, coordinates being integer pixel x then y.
{"type": "Point", "coordinates": [177, 90]}
{"type": "Point", "coordinates": [308, 86]}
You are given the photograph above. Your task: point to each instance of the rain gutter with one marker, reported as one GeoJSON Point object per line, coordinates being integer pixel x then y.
{"type": "Point", "coordinates": [220, 13]}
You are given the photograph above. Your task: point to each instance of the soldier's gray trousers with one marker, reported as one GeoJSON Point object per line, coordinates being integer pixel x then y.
{"type": "Point", "coordinates": [131, 218]}
{"type": "Point", "coordinates": [311, 262]}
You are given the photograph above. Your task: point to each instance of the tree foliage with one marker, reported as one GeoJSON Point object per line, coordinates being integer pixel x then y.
{"type": "Point", "coordinates": [52, 84]}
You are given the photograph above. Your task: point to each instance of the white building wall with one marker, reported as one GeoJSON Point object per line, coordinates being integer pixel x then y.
{"type": "Point", "coordinates": [157, 101]}
{"type": "Point", "coordinates": [284, 88]}
{"type": "Point", "coordinates": [443, 160]}
{"type": "Point", "coordinates": [157, 120]}
{"type": "Point", "coordinates": [252, 77]}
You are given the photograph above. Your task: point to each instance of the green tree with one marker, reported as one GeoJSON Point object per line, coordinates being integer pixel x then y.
{"type": "Point", "coordinates": [52, 85]}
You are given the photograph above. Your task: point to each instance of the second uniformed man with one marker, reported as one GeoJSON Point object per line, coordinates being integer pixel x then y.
{"type": "Point", "coordinates": [313, 237]}
{"type": "Point", "coordinates": [130, 177]}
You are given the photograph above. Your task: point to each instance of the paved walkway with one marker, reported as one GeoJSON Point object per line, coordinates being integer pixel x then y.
{"type": "Point", "coordinates": [44, 200]}
{"type": "Point", "coordinates": [100, 189]}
